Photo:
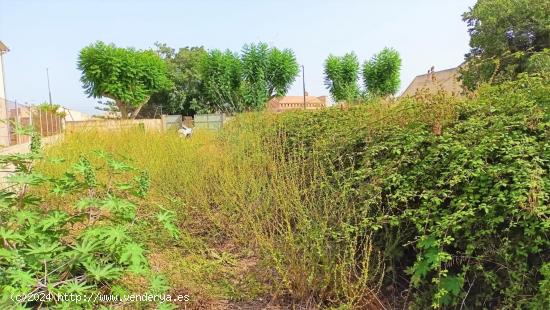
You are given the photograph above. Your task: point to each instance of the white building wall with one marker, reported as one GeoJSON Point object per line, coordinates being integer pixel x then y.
{"type": "Point", "coordinates": [4, 135]}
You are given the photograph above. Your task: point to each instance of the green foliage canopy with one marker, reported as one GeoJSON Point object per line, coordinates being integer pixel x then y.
{"type": "Point", "coordinates": [266, 73]}
{"type": "Point", "coordinates": [125, 75]}
{"type": "Point", "coordinates": [341, 75]}
{"type": "Point", "coordinates": [221, 81]}
{"type": "Point", "coordinates": [381, 73]}
{"type": "Point", "coordinates": [504, 34]}
{"type": "Point", "coordinates": [216, 81]}
{"type": "Point", "coordinates": [183, 68]}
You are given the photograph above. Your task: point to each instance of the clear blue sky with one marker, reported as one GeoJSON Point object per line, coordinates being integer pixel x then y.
{"type": "Point", "coordinates": [50, 34]}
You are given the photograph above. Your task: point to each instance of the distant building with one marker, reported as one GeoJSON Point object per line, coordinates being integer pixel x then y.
{"type": "Point", "coordinates": [433, 81]}
{"type": "Point", "coordinates": [286, 103]}
{"type": "Point", "coordinates": [74, 115]}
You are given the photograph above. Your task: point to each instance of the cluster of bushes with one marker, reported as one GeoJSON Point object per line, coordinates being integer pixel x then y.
{"type": "Point", "coordinates": [432, 201]}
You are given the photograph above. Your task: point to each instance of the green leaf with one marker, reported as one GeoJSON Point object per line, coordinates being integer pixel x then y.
{"type": "Point", "coordinates": [11, 235]}
{"type": "Point", "coordinates": [10, 256]}
{"type": "Point", "coordinates": [23, 178]}
{"type": "Point", "coordinates": [166, 218]}
{"type": "Point", "coordinates": [452, 284]}
{"type": "Point", "coordinates": [74, 287]}
{"type": "Point", "coordinates": [44, 250]}
{"type": "Point", "coordinates": [27, 217]}
{"type": "Point", "coordinates": [102, 272]}
{"type": "Point", "coordinates": [120, 207]}
{"type": "Point", "coordinates": [56, 219]}
{"type": "Point", "coordinates": [158, 285]}
{"type": "Point", "coordinates": [110, 236]}
{"type": "Point", "coordinates": [119, 166]}
{"type": "Point", "coordinates": [22, 278]}
{"type": "Point", "coordinates": [132, 254]}
{"type": "Point", "coordinates": [85, 249]}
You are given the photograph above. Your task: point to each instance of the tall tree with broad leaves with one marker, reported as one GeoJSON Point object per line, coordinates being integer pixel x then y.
{"type": "Point", "coordinates": [186, 97]}
{"type": "Point", "coordinates": [221, 82]}
{"type": "Point", "coordinates": [267, 72]}
{"type": "Point", "coordinates": [341, 75]}
{"type": "Point", "coordinates": [381, 73]}
{"type": "Point", "coordinates": [125, 75]}
{"type": "Point", "coordinates": [504, 35]}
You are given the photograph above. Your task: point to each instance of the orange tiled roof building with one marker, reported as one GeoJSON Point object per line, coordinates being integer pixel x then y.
{"type": "Point", "coordinates": [280, 104]}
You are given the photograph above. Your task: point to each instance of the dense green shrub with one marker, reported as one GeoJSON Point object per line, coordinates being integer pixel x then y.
{"type": "Point", "coordinates": [472, 203]}
{"type": "Point", "coordinates": [453, 193]}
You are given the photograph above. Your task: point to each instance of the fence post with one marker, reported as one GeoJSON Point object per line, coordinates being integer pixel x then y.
{"type": "Point", "coordinates": [30, 116]}
{"type": "Point", "coordinates": [17, 122]}
{"type": "Point", "coordinates": [6, 118]}
{"type": "Point", "coordinates": [47, 124]}
{"type": "Point", "coordinates": [40, 122]}
{"type": "Point", "coordinates": [8, 121]}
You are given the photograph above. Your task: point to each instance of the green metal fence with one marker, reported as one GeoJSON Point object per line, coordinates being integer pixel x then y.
{"type": "Point", "coordinates": [214, 121]}
{"type": "Point", "coordinates": [172, 121]}
{"type": "Point", "coordinates": [209, 121]}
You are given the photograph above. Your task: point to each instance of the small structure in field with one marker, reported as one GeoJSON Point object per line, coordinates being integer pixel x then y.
{"type": "Point", "coordinates": [280, 104]}
{"type": "Point", "coordinates": [434, 81]}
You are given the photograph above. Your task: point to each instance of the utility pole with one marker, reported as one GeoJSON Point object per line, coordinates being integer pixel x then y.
{"type": "Point", "coordinates": [49, 90]}
{"type": "Point", "coordinates": [304, 85]}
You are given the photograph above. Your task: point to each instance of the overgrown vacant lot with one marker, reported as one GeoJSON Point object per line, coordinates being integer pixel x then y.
{"type": "Point", "coordinates": [430, 201]}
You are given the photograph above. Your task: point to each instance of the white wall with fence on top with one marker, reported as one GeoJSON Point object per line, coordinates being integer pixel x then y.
{"type": "Point", "coordinates": [13, 114]}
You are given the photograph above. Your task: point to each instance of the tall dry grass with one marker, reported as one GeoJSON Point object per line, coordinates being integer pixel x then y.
{"type": "Point", "coordinates": [287, 198]}
{"type": "Point", "coordinates": [301, 228]}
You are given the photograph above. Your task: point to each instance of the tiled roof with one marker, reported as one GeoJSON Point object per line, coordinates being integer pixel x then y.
{"type": "Point", "coordinates": [279, 104]}
{"type": "Point", "coordinates": [3, 47]}
{"type": "Point", "coordinates": [299, 99]}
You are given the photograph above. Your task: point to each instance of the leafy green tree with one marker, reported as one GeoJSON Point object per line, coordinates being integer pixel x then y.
{"type": "Point", "coordinates": [504, 34]}
{"type": "Point", "coordinates": [221, 82]}
{"type": "Point", "coordinates": [266, 73]}
{"type": "Point", "coordinates": [211, 81]}
{"type": "Point", "coordinates": [341, 75]}
{"type": "Point", "coordinates": [381, 73]}
{"type": "Point", "coordinates": [186, 97]}
{"type": "Point", "coordinates": [125, 75]}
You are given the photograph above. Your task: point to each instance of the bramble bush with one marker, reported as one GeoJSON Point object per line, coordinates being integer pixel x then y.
{"type": "Point", "coordinates": [82, 248]}
{"type": "Point", "coordinates": [450, 196]}
{"type": "Point", "coordinates": [471, 203]}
